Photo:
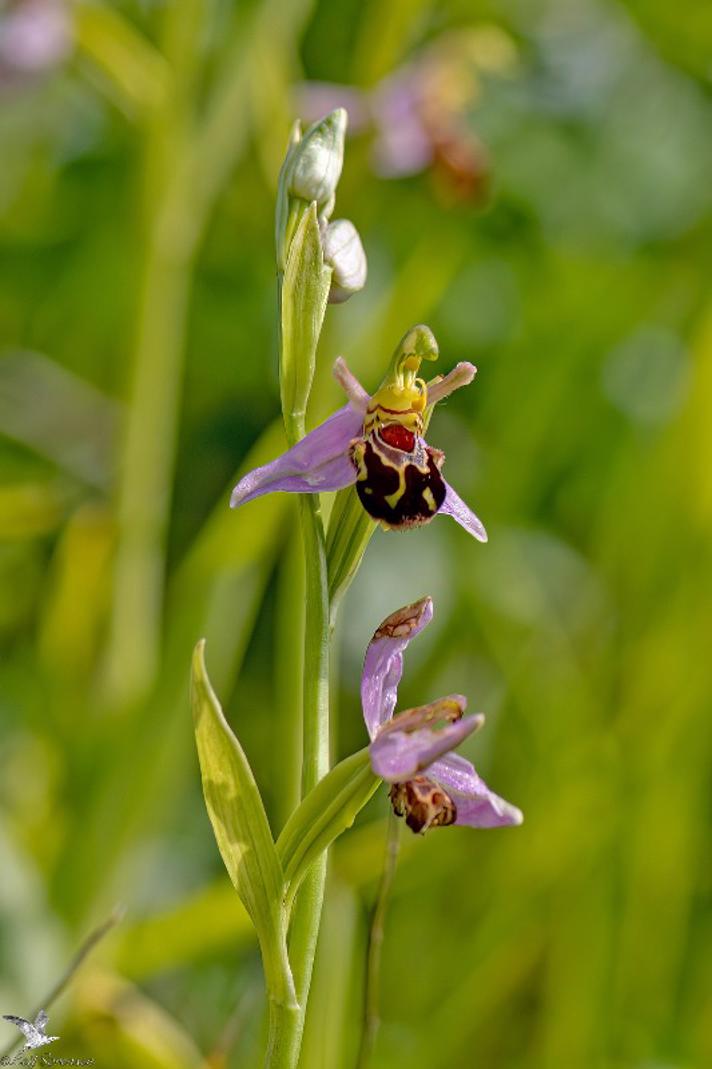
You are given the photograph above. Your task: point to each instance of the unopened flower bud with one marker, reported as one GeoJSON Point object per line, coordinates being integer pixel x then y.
{"type": "Point", "coordinates": [344, 253]}
{"type": "Point", "coordinates": [316, 161]}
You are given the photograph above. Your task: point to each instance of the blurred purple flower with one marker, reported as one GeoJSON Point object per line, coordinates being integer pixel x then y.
{"type": "Point", "coordinates": [418, 114]}
{"type": "Point", "coordinates": [406, 744]}
{"type": "Point", "coordinates": [35, 35]}
{"type": "Point", "coordinates": [403, 144]}
{"type": "Point", "coordinates": [377, 443]}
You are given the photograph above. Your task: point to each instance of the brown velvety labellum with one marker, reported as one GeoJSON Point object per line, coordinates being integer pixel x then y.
{"type": "Point", "coordinates": [423, 803]}
{"type": "Point", "coordinates": [400, 496]}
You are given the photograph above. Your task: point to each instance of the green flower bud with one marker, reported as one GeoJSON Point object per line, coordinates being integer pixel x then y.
{"type": "Point", "coordinates": [344, 253]}
{"type": "Point", "coordinates": [315, 162]}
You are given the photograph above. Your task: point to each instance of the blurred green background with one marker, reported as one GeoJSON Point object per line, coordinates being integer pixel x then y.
{"type": "Point", "coordinates": [532, 179]}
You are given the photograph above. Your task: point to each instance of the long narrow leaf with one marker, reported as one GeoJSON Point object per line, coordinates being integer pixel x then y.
{"type": "Point", "coordinates": [241, 827]}
{"type": "Point", "coordinates": [328, 810]}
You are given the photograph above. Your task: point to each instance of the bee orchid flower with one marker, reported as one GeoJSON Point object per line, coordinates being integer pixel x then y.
{"type": "Point", "coordinates": [430, 786]}
{"type": "Point", "coordinates": [377, 443]}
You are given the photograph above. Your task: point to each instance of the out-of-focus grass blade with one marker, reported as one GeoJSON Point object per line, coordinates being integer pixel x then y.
{"type": "Point", "coordinates": [382, 37]}
{"type": "Point", "coordinates": [29, 509]}
{"type": "Point", "coordinates": [27, 920]}
{"type": "Point", "coordinates": [233, 548]}
{"type": "Point", "coordinates": [328, 810]}
{"type": "Point", "coordinates": [135, 73]}
{"type": "Point", "coordinates": [120, 1026]}
{"type": "Point", "coordinates": [216, 592]}
{"type": "Point", "coordinates": [233, 539]}
{"type": "Point", "coordinates": [57, 414]}
{"type": "Point", "coordinates": [77, 590]}
{"type": "Point", "coordinates": [207, 922]}
{"type": "Point", "coordinates": [241, 827]}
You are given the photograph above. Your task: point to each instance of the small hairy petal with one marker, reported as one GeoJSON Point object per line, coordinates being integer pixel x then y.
{"type": "Point", "coordinates": [399, 754]}
{"type": "Point", "coordinates": [383, 664]}
{"type": "Point", "coordinates": [477, 806]}
{"type": "Point", "coordinates": [350, 385]}
{"type": "Point", "coordinates": [461, 375]}
{"type": "Point", "coordinates": [320, 461]}
{"type": "Point", "coordinates": [454, 506]}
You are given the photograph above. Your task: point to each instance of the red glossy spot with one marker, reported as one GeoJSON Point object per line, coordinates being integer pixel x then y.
{"type": "Point", "coordinates": [398, 437]}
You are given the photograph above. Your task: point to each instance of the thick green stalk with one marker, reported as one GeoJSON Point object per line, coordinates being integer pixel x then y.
{"type": "Point", "coordinates": [284, 1035]}
{"type": "Point", "coordinates": [286, 1028]}
{"type": "Point", "coordinates": [316, 645]}
{"type": "Point", "coordinates": [289, 639]}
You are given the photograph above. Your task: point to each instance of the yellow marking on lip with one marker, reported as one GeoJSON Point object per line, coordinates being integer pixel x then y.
{"type": "Point", "coordinates": [358, 455]}
{"type": "Point", "coordinates": [398, 404]}
{"type": "Point", "coordinates": [393, 499]}
{"type": "Point", "coordinates": [429, 499]}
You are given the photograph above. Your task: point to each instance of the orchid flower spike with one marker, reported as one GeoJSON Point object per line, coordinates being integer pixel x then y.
{"type": "Point", "coordinates": [417, 741]}
{"type": "Point", "coordinates": [378, 443]}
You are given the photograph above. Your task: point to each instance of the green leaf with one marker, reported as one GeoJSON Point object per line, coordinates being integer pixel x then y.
{"type": "Point", "coordinates": [305, 290]}
{"type": "Point", "coordinates": [328, 810]}
{"type": "Point", "coordinates": [241, 828]}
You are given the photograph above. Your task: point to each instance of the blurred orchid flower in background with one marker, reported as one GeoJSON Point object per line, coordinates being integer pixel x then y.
{"type": "Point", "coordinates": [405, 745]}
{"type": "Point", "coordinates": [419, 114]}
{"type": "Point", "coordinates": [35, 36]}
{"type": "Point", "coordinates": [377, 443]}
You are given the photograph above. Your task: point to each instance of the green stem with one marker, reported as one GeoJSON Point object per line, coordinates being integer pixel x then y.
{"type": "Point", "coordinates": [286, 1028]}
{"type": "Point", "coordinates": [316, 645]}
{"type": "Point", "coordinates": [284, 1035]}
{"type": "Point", "coordinates": [289, 640]}
{"type": "Point", "coordinates": [315, 764]}
{"type": "Point", "coordinates": [372, 988]}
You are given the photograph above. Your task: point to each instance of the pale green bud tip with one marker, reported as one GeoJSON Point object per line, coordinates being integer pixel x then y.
{"type": "Point", "coordinates": [416, 345]}
{"type": "Point", "coordinates": [318, 159]}
{"type": "Point", "coordinates": [345, 254]}
{"type": "Point", "coordinates": [420, 342]}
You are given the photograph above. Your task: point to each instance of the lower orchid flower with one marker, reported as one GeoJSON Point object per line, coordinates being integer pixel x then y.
{"type": "Point", "coordinates": [407, 745]}
{"type": "Point", "coordinates": [378, 443]}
